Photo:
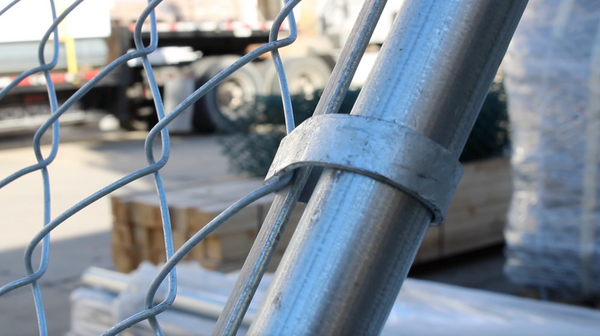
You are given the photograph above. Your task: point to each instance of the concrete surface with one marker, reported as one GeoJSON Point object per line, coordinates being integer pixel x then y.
{"type": "Point", "coordinates": [89, 160]}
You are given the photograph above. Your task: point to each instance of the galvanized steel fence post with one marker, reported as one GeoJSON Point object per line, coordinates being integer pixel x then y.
{"type": "Point", "coordinates": [361, 229]}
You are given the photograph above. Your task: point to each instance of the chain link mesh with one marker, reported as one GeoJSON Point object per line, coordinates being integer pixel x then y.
{"type": "Point", "coordinates": [154, 164]}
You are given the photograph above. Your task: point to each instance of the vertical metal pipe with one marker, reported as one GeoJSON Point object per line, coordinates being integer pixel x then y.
{"type": "Point", "coordinates": [354, 245]}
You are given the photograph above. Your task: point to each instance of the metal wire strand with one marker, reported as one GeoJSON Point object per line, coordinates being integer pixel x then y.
{"type": "Point", "coordinates": [163, 204]}
{"type": "Point", "coordinates": [247, 283]}
{"type": "Point", "coordinates": [9, 6]}
{"type": "Point", "coordinates": [231, 319]}
{"type": "Point", "coordinates": [37, 295]}
{"type": "Point", "coordinates": [283, 84]}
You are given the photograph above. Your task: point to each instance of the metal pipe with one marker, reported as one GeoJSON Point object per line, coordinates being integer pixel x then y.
{"type": "Point", "coordinates": [358, 237]}
{"type": "Point", "coordinates": [283, 205]}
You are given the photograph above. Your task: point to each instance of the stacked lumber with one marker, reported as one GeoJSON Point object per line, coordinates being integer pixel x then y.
{"type": "Point", "coordinates": [475, 220]}
{"type": "Point", "coordinates": [138, 231]}
{"type": "Point", "coordinates": [477, 213]}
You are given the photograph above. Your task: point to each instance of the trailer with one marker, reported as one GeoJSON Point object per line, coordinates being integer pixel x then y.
{"type": "Point", "coordinates": [196, 40]}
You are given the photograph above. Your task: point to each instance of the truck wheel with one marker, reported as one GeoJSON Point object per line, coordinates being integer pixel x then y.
{"type": "Point", "coordinates": [305, 76]}
{"type": "Point", "coordinates": [201, 120]}
{"type": "Point", "coordinates": [228, 105]}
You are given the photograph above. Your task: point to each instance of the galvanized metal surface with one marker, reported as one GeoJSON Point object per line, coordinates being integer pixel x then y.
{"type": "Point", "coordinates": [357, 238]}
{"type": "Point", "coordinates": [268, 236]}
{"type": "Point", "coordinates": [368, 146]}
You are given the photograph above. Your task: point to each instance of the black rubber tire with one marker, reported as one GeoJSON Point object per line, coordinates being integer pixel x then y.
{"type": "Point", "coordinates": [305, 75]}
{"type": "Point", "coordinates": [201, 120]}
{"type": "Point", "coordinates": [229, 102]}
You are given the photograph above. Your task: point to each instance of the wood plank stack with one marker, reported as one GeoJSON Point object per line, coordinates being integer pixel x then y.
{"type": "Point", "coordinates": [138, 233]}
{"type": "Point", "coordinates": [477, 213]}
{"type": "Point", "coordinates": [475, 219]}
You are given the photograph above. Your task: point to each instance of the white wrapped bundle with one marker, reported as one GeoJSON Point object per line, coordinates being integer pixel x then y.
{"type": "Point", "coordinates": [552, 80]}
{"type": "Point", "coordinates": [422, 308]}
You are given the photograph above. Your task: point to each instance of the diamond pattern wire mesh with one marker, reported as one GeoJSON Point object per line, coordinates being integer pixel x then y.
{"type": "Point", "coordinates": [154, 164]}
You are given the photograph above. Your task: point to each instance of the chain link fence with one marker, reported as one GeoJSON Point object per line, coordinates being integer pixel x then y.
{"type": "Point", "coordinates": [155, 164]}
{"type": "Point", "coordinates": [251, 150]}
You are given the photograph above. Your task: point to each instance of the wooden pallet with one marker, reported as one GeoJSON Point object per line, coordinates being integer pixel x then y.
{"type": "Point", "coordinates": [475, 219]}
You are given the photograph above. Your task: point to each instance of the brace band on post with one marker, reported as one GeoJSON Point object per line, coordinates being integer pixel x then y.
{"type": "Point", "coordinates": [383, 150]}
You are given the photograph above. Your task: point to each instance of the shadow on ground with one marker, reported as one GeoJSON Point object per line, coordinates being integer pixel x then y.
{"type": "Point", "coordinates": [480, 269]}
{"type": "Point", "coordinates": [68, 258]}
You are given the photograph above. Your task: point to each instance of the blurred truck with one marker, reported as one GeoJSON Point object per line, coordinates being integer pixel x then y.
{"type": "Point", "coordinates": [196, 40]}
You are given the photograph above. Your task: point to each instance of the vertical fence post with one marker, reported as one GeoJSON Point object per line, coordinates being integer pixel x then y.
{"type": "Point", "coordinates": [358, 236]}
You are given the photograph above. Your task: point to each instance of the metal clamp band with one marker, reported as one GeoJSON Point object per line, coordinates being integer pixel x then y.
{"type": "Point", "coordinates": [383, 150]}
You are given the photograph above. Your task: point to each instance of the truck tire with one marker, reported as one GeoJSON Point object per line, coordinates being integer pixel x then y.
{"type": "Point", "coordinates": [305, 76]}
{"type": "Point", "coordinates": [201, 120]}
{"type": "Point", "coordinates": [225, 108]}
